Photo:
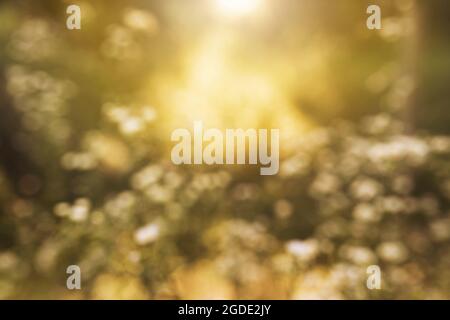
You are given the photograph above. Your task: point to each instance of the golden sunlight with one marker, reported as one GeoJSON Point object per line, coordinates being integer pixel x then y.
{"type": "Point", "coordinates": [237, 7]}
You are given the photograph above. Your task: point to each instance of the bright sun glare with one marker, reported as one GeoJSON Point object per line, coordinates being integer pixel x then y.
{"type": "Point", "coordinates": [237, 7]}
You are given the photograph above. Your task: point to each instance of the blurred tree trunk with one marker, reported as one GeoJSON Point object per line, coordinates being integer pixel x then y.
{"type": "Point", "coordinates": [14, 162]}
{"type": "Point", "coordinates": [411, 62]}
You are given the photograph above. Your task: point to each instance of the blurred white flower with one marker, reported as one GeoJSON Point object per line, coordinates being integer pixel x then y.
{"type": "Point", "coordinates": [140, 20]}
{"type": "Point", "coordinates": [400, 148]}
{"type": "Point", "coordinates": [392, 204]}
{"type": "Point", "coordinates": [365, 188]}
{"type": "Point", "coordinates": [147, 234]}
{"type": "Point", "coordinates": [159, 193]}
{"type": "Point", "coordinates": [80, 210]}
{"type": "Point", "coordinates": [147, 176]}
{"type": "Point", "coordinates": [393, 252]}
{"type": "Point", "coordinates": [366, 212]}
{"type": "Point", "coordinates": [358, 254]}
{"type": "Point", "coordinates": [440, 144]}
{"type": "Point", "coordinates": [78, 161]}
{"type": "Point", "coordinates": [325, 183]}
{"type": "Point", "coordinates": [303, 250]}
{"type": "Point", "coordinates": [34, 40]}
